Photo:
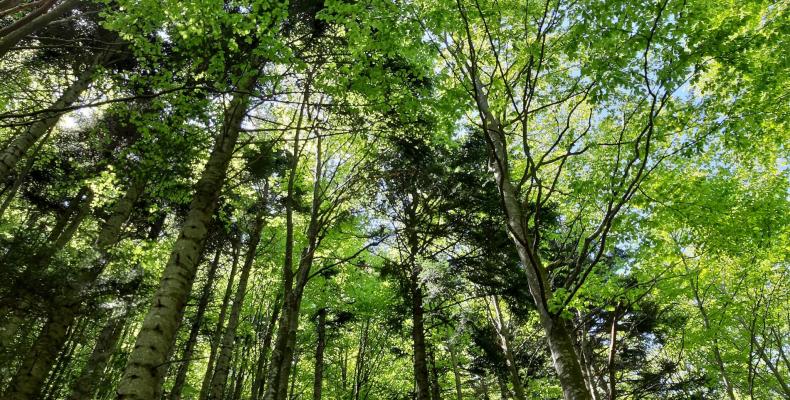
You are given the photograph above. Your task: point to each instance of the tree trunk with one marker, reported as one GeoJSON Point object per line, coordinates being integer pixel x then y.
{"type": "Point", "coordinates": [318, 375]}
{"type": "Point", "coordinates": [233, 374]}
{"type": "Point", "coordinates": [226, 349]}
{"type": "Point", "coordinates": [778, 375]}
{"type": "Point", "coordinates": [481, 389]}
{"type": "Point", "coordinates": [504, 340]}
{"type": "Point", "coordinates": [283, 352]}
{"type": "Point", "coordinates": [60, 372]}
{"type": "Point", "coordinates": [285, 348]}
{"type": "Point", "coordinates": [189, 348]}
{"type": "Point", "coordinates": [238, 385]}
{"type": "Point", "coordinates": [343, 368]}
{"type": "Point", "coordinates": [418, 338]}
{"type": "Point", "coordinates": [436, 389]}
{"type": "Point", "coordinates": [293, 377]}
{"type": "Point", "coordinates": [83, 207]}
{"type": "Point", "coordinates": [591, 378]}
{"type": "Point", "coordinates": [263, 365]}
{"type": "Point", "coordinates": [29, 379]}
{"type": "Point", "coordinates": [560, 344]}
{"type": "Point", "coordinates": [19, 146]}
{"type": "Point", "coordinates": [22, 176]}
{"type": "Point", "coordinates": [28, 382]}
{"type": "Point", "coordinates": [85, 386]}
{"type": "Point", "coordinates": [216, 336]}
{"type": "Point", "coordinates": [612, 354]}
{"type": "Point", "coordinates": [360, 364]}
{"type": "Point", "coordinates": [26, 295]}
{"type": "Point", "coordinates": [459, 394]}
{"type": "Point", "coordinates": [14, 33]}
{"type": "Point", "coordinates": [142, 378]}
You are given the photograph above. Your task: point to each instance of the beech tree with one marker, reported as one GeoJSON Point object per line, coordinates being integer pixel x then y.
{"type": "Point", "coordinates": [257, 199]}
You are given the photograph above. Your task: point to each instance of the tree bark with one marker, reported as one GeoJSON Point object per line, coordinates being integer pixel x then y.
{"type": "Point", "coordinates": [22, 175]}
{"type": "Point", "coordinates": [142, 378]}
{"type": "Point", "coordinates": [318, 375]}
{"type": "Point", "coordinates": [85, 386]}
{"type": "Point", "coordinates": [241, 371]}
{"type": "Point", "coordinates": [612, 354]}
{"type": "Point", "coordinates": [216, 336]}
{"type": "Point", "coordinates": [29, 379]}
{"type": "Point", "coordinates": [31, 23]}
{"type": "Point", "coordinates": [56, 377]}
{"type": "Point", "coordinates": [283, 352]}
{"type": "Point", "coordinates": [219, 379]}
{"type": "Point", "coordinates": [436, 389]}
{"type": "Point", "coordinates": [20, 145]}
{"type": "Point", "coordinates": [28, 382]}
{"type": "Point", "coordinates": [592, 379]}
{"type": "Point", "coordinates": [560, 344]}
{"type": "Point", "coordinates": [263, 364]}
{"type": "Point", "coordinates": [504, 340]}
{"type": "Point", "coordinates": [285, 348]}
{"type": "Point", "coordinates": [189, 347]}
{"type": "Point", "coordinates": [360, 364]}
{"type": "Point", "coordinates": [418, 338]}
{"type": "Point", "coordinates": [412, 273]}
{"type": "Point", "coordinates": [459, 394]}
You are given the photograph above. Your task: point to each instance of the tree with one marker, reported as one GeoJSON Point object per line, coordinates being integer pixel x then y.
{"type": "Point", "coordinates": [386, 200]}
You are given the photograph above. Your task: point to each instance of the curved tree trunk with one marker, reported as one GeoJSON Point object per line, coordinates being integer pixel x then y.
{"type": "Point", "coordinates": [560, 344]}
{"type": "Point", "coordinates": [142, 378]}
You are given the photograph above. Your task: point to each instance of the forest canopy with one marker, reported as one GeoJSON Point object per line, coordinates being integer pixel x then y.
{"type": "Point", "coordinates": [394, 199]}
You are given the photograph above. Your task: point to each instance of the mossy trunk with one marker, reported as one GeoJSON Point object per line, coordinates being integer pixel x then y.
{"type": "Point", "coordinates": [142, 378]}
